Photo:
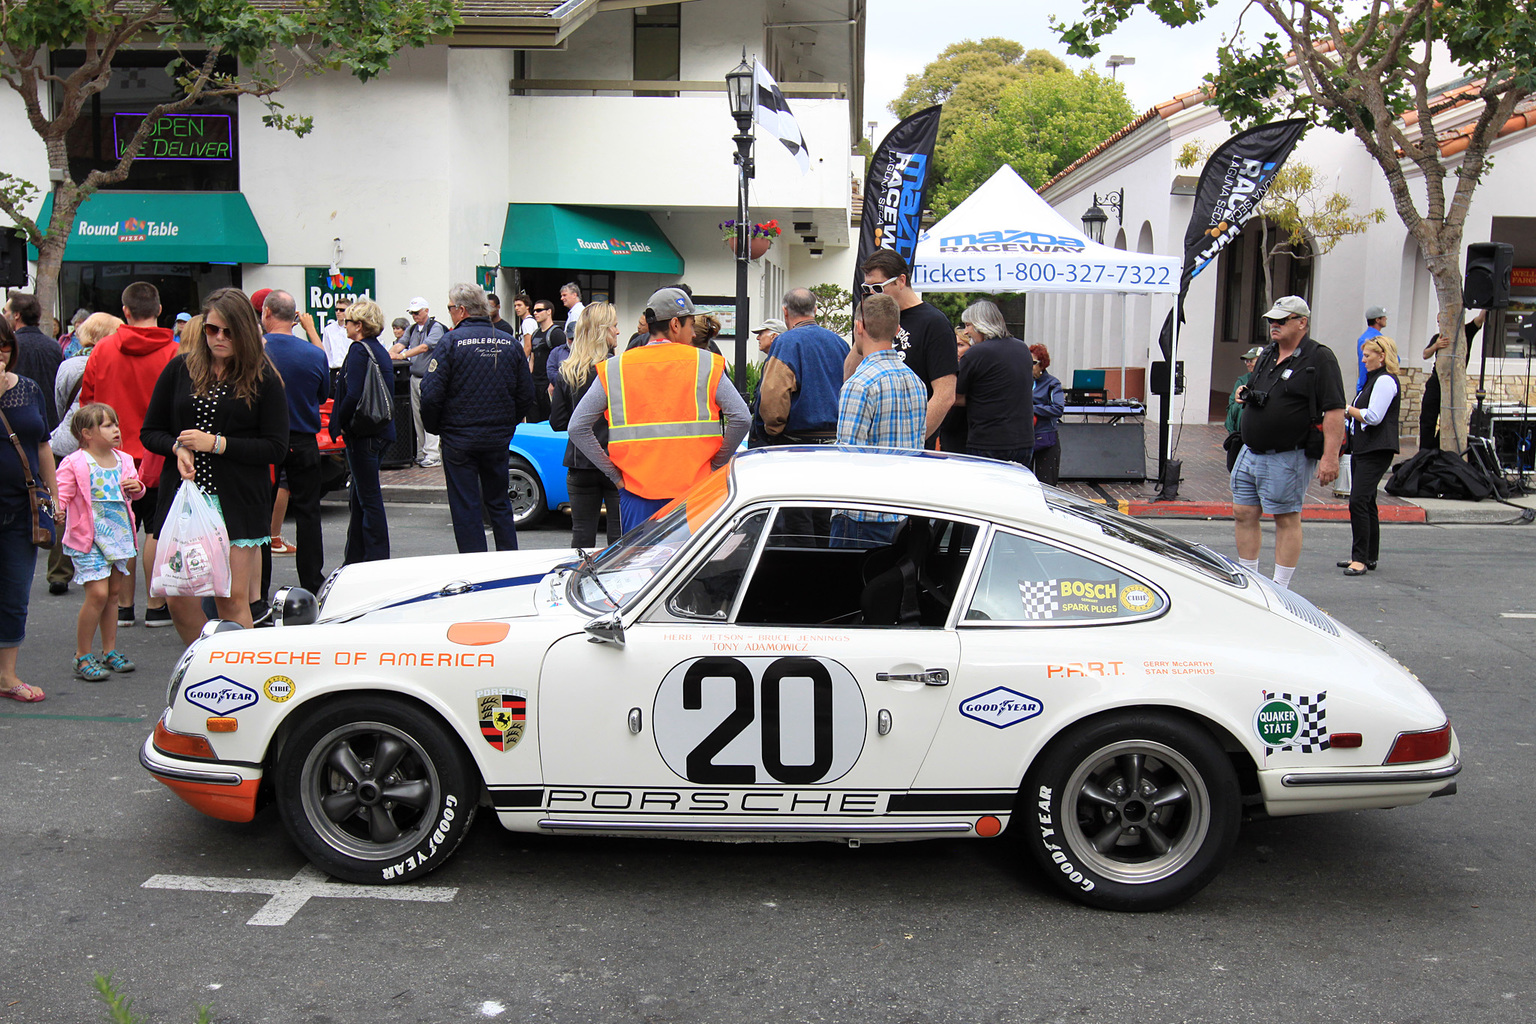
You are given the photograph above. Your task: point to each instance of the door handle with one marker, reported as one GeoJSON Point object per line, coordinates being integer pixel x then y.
{"type": "Point", "coordinates": [928, 677]}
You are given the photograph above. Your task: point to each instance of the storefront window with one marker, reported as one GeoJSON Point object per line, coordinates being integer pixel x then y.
{"type": "Point", "coordinates": [194, 151]}
{"type": "Point", "coordinates": [182, 286]}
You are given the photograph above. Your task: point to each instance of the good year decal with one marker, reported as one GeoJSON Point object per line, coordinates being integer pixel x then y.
{"type": "Point", "coordinates": [734, 721]}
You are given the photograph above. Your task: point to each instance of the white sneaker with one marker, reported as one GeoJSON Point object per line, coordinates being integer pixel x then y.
{"type": "Point", "coordinates": [429, 463]}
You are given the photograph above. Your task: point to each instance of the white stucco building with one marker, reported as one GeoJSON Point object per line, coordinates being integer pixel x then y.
{"type": "Point", "coordinates": [472, 153]}
{"type": "Point", "coordinates": [1381, 266]}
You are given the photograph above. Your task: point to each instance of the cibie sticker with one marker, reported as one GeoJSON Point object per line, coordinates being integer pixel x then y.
{"type": "Point", "coordinates": [503, 715]}
{"type": "Point", "coordinates": [278, 689]}
{"type": "Point", "coordinates": [220, 695]}
{"type": "Point", "coordinates": [1001, 707]}
{"type": "Point", "coordinates": [1135, 598]}
{"type": "Point", "coordinates": [1293, 722]}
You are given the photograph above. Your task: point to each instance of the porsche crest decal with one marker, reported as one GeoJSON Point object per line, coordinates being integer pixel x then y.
{"type": "Point", "coordinates": [503, 716]}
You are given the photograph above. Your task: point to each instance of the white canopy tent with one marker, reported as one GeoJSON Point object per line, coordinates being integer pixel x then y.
{"type": "Point", "coordinates": [1005, 238]}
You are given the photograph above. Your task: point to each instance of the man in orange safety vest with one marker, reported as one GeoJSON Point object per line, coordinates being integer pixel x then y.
{"type": "Point", "coordinates": [664, 401]}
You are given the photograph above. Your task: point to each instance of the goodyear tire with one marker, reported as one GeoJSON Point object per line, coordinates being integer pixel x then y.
{"type": "Point", "coordinates": [1132, 811]}
{"type": "Point", "coordinates": [374, 790]}
{"type": "Point", "coordinates": [526, 493]}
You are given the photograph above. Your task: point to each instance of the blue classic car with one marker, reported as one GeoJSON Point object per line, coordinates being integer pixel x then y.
{"type": "Point", "coordinates": [536, 473]}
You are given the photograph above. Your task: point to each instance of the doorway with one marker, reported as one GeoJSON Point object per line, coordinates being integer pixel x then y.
{"type": "Point", "coordinates": [98, 287]}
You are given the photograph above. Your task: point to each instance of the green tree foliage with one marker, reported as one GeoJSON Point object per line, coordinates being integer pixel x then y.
{"type": "Point", "coordinates": [834, 308]}
{"type": "Point", "coordinates": [1359, 69]}
{"type": "Point", "coordinates": [273, 44]}
{"type": "Point", "coordinates": [1039, 125]}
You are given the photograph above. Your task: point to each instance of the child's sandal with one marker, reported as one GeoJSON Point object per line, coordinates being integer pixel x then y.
{"type": "Point", "coordinates": [118, 662]}
{"type": "Point", "coordinates": [89, 669]}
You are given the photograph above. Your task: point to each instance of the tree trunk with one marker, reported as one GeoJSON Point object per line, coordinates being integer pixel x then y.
{"type": "Point", "coordinates": [1451, 364]}
{"type": "Point", "coordinates": [50, 254]}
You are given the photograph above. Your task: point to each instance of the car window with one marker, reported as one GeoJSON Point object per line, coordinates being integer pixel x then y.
{"type": "Point", "coordinates": [1150, 538]}
{"type": "Point", "coordinates": [1028, 581]}
{"type": "Point", "coordinates": [820, 567]}
{"type": "Point", "coordinates": [710, 593]}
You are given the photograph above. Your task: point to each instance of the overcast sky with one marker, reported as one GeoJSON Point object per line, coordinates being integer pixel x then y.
{"type": "Point", "coordinates": [904, 35]}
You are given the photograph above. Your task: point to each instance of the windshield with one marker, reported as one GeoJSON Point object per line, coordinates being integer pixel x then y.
{"type": "Point", "coordinates": [1134, 531]}
{"type": "Point", "coordinates": [642, 554]}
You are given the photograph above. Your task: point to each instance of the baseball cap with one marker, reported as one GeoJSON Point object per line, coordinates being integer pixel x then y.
{"type": "Point", "coordinates": [182, 318]}
{"type": "Point", "coordinates": [771, 324]}
{"type": "Point", "coordinates": [666, 303]}
{"type": "Point", "coordinates": [257, 298]}
{"type": "Point", "coordinates": [1254, 352]}
{"type": "Point", "coordinates": [1375, 311]}
{"type": "Point", "coordinates": [1288, 306]}
{"type": "Point", "coordinates": [415, 304]}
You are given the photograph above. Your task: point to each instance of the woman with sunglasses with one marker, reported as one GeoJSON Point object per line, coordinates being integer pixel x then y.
{"type": "Point", "coordinates": [21, 400]}
{"type": "Point", "coordinates": [220, 416]}
{"type": "Point", "coordinates": [367, 529]}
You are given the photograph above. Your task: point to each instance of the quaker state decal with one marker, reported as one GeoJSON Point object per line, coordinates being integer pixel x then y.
{"type": "Point", "coordinates": [503, 715]}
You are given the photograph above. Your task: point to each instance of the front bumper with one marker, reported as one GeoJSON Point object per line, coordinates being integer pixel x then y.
{"type": "Point", "coordinates": [223, 791]}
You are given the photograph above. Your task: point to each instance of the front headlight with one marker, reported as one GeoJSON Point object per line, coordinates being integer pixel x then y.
{"type": "Point", "coordinates": [179, 671]}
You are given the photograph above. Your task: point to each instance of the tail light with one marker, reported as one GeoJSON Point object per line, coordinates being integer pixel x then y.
{"type": "Point", "coordinates": [1430, 745]}
{"type": "Point", "coordinates": [181, 744]}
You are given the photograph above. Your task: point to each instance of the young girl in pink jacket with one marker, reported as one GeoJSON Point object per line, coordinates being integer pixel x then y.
{"type": "Point", "coordinates": [96, 485]}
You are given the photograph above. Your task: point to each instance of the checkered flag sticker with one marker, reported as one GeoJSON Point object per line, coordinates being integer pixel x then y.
{"type": "Point", "coordinates": [1312, 723]}
{"type": "Point", "coordinates": [1041, 600]}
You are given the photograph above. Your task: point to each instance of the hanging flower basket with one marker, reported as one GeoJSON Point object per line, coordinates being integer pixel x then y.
{"type": "Point", "coordinates": [755, 250]}
{"type": "Point", "coordinates": [761, 235]}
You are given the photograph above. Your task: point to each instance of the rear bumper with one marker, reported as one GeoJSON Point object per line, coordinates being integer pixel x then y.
{"type": "Point", "coordinates": [226, 792]}
{"type": "Point", "coordinates": [1305, 791]}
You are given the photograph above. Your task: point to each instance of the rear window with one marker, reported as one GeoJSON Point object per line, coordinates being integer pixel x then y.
{"type": "Point", "coordinates": [1133, 531]}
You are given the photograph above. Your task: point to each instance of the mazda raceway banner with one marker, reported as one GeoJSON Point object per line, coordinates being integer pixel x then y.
{"type": "Point", "coordinates": [896, 188]}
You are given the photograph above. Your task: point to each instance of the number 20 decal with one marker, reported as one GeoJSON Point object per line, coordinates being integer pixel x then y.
{"type": "Point", "coordinates": [737, 721]}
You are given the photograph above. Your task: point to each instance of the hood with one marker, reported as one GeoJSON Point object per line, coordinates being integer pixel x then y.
{"type": "Point", "coordinates": [494, 585]}
{"type": "Point", "coordinates": [142, 341]}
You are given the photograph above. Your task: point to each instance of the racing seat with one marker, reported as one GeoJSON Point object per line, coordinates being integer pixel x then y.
{"type": "Point", "coordinates": [890, 595]}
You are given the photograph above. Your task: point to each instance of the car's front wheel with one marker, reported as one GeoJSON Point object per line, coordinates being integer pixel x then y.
{"type": "Point", "coordinates": [1131, 811]}
{"type": "Point", "coordinates": [375, 790]}
{"type": "Point", "coordinates": [526, 492]}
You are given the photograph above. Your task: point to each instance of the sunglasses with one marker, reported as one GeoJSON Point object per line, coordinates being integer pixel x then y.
{"type": "Point", "coordinates": [1277, 323]}
{"type": "Point", "coordinates": [215, 331]}
{"type": "Point", "coordinates": [878, 287]}
{"type": "Point", "coordinates": [542, 309]}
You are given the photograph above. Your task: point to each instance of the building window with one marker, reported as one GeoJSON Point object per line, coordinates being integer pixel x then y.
{"type": "Point", "coordinates": [658, 46]}
{"type": "Point", "coordinates": [193, 151]}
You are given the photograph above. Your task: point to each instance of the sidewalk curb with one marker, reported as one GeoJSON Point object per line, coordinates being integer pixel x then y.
{"type": "Point", "coordinates": [1223, 510]}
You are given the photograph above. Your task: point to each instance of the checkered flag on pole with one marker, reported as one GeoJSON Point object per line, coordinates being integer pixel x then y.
{"type": "Point", "coordinates": [772, 112]}
{"type": "Point", "coordinates": [1311, 726]}
{"type": "Point", "coordinates": [1041, 600]}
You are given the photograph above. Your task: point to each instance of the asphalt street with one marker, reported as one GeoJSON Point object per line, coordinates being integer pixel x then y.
{"type": "Point", "coordinates": [1422, 914]}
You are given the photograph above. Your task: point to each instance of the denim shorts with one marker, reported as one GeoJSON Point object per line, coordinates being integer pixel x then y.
{"type": "Point", "coordinates": [1277, 483]}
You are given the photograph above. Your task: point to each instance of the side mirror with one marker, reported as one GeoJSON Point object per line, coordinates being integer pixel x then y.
{"type": "Point", "coordinates": [606, 629]}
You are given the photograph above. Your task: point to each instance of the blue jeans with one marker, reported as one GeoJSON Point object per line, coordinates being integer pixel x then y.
{"type": "Point", "coordinates": [18, 562]}
{"type": "Point", "coordinates": [367, 530]}
{"type": "Point", "coordinates": [634, 510]}
{"type": "Point", "coordinates": [475, 476]}
{"type": "Point", "coordinates": [854, 533]}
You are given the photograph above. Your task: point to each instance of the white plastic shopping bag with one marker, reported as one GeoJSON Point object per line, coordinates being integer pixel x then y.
{"type": "Point", "coordinates": [193, 557]}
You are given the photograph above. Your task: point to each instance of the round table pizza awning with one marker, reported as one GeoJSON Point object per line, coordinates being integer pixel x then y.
{"type": "Point", "coordinates": [541, 235]}
{"type": "Point", "coordinates": [162, 227]}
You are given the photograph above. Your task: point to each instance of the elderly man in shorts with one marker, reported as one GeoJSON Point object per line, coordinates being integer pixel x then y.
{"type": "Point", "coordinates": [1292, 426]}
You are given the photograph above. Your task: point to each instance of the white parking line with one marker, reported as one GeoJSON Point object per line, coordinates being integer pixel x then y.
{"type": "Point", "coordinates": [1517, 615]}
{"type": "Point", "coordinates": [291, 894]}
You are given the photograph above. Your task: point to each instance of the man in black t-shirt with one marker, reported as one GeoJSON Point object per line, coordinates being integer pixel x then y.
{"type": "Point", "coordinates": [926, 339]}
{"type": "Point", "coordinates": [1292, 425]}
{"type": "Point", "coordinates": [538, 347]}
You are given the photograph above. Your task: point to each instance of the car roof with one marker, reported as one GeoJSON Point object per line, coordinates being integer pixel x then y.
{"type": "Point", "coordinates": [937, 480]}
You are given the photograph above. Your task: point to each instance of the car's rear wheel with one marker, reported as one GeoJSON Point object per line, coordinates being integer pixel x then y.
{"type": "Point", "coordinates": [1132, 811]}
{"type": "Point", "coordinates": [375, 790]}
{"type": "Point", "coordinates": [526, 492]}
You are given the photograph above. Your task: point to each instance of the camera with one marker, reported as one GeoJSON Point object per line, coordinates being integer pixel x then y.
{"type": "Point", "coordinates": [1255, 399]}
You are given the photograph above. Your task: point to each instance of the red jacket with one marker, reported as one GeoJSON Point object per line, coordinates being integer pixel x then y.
{"type": "Point", "coordinates": [121, 372]}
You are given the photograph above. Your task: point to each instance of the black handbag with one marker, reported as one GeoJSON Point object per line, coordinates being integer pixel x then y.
{"type": "Point", "coordinates": [45, 529]}
{"type": "Point", "coordinates": [376, 405]}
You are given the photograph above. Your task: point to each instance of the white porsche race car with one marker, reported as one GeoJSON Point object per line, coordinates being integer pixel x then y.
{"type": "Point", "coordinates": [815, 643]}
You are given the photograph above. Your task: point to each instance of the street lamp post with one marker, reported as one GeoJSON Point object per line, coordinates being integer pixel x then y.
{"type": "Point", "coordinates": [739, 87]}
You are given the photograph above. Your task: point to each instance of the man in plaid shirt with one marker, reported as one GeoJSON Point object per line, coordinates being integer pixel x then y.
{"type": "Point", "coordinates": [883, 404]}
